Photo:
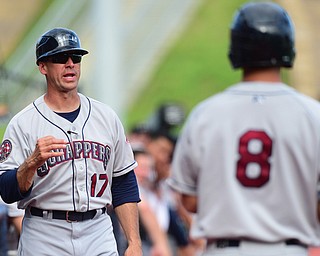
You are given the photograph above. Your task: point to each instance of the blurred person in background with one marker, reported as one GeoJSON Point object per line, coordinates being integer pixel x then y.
{"type": "Point", "coordinates": [161, 146]}
{"type": "Point", "coordinates": [159, 143]}
{"type": "Point", "coordinates": [3, 229]}
{"type": "Point", "coordinates": [10, 226]}
{"type": "Point", "coordinates": [157, 136]}
{"type": "Point", "coordinates": [15, 217]}
{"type": "Point", "coordinates": [153, 209]}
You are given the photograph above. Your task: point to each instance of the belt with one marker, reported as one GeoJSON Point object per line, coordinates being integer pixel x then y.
{"type": "Point", "coordinates": [69, 216]}
{"type": "Point", "coordinates": [223, 243]}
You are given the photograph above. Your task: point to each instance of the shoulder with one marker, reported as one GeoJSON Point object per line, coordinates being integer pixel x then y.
{"type": "Point", "coordinates": [25, 115]}
{"type": "Point", "coordinates": [96, 105]}
{"type": "Point", "coordinates": [207, 106]}
{"type": "Point", "coordinates": [309, 105]}
{"type": "Point", "coordinates": [101, 111]}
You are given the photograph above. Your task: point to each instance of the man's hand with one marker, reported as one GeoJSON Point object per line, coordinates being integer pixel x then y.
{"type": "Point", "coordinates": [134, 250]}
{"type": "Point", "coordinates": [42, 152]}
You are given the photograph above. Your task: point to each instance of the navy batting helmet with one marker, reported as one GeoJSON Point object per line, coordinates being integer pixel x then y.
{"type": "Point", "coordinates": [58, 40]}
{"type": "Point", "coordinates": [262, 35]}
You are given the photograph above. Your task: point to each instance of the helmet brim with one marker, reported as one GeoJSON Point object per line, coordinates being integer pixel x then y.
{"type": "Point", "coordinates": [79, 51]}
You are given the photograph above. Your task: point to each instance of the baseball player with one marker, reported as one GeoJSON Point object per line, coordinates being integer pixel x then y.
{"type": "Point", "coordinates": [247, 160]}
{"type": "Point", "coordinates": [65, 158]}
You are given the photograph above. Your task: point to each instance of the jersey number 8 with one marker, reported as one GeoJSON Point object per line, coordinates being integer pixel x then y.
{"type": "Point", "coordinates": [260, 158]}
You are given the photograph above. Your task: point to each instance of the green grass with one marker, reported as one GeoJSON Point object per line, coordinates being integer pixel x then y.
{"type": "Point", "coordinates": [196, 67]}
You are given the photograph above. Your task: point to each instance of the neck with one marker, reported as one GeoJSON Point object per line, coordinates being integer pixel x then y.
{"type": "Point", "coordinates": [262, 74]}
{"type": "Point", "coordinates": [66, 103]}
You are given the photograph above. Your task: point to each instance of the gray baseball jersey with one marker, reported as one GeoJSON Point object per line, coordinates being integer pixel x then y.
{"type": "Point", "coordinates": [79, 180]}
{"type": "Point", "coordinates": [251, 156]}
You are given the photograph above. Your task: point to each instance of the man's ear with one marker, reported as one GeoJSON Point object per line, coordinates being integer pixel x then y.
{"type": "Point", "coordinates": [42, 68]}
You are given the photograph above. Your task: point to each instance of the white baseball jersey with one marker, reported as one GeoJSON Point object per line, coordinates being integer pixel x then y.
{"type": "Point", "coordinates": [79, 180]}
{"type": "Point", "coordinates": [251, 155]}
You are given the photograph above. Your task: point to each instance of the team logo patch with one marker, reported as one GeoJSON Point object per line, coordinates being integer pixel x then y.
{"type": "Point", "coordinates": [5, 150]}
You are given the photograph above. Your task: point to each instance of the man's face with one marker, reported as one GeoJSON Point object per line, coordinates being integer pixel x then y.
{"type": "Point", "coordinates": [62, 71]}
{"type": "Point", "coordinates": [145, 169]}
{"type": "Point", "coordinates": [161, 149]}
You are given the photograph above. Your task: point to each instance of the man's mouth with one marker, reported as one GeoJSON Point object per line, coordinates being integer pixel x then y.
{"type": "Point", "coordinates": [69, 75]}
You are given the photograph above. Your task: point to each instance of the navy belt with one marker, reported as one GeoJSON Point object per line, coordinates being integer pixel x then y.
{"type": "Point", "coordinates": [223, 243]}
{"type": "Point", "coordinates": [69, 216]}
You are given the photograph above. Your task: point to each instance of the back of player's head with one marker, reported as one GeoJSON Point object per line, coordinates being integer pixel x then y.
{"type": "Point", "coordinates": [262, 35]}
{"type": "Point", "coordinates": [58, 40]}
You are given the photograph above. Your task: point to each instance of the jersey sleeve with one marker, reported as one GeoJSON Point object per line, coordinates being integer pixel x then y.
{"type": "Point", "coordinates": [14, 148]}
{"type": "Point", "coordinates": [124, 159]}
{"type": "Point", "coordinates": [184, 169]}
{"type": "Point", "coordinates": [12, 155]}
{"type": "Point", "coordinates": [9, 188]}
{"type": "Point", "coordinates": [125, 189]}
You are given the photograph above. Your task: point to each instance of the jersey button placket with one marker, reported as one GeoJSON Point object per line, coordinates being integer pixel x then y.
{"type": "Point", "coordinates": [81, 185]}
